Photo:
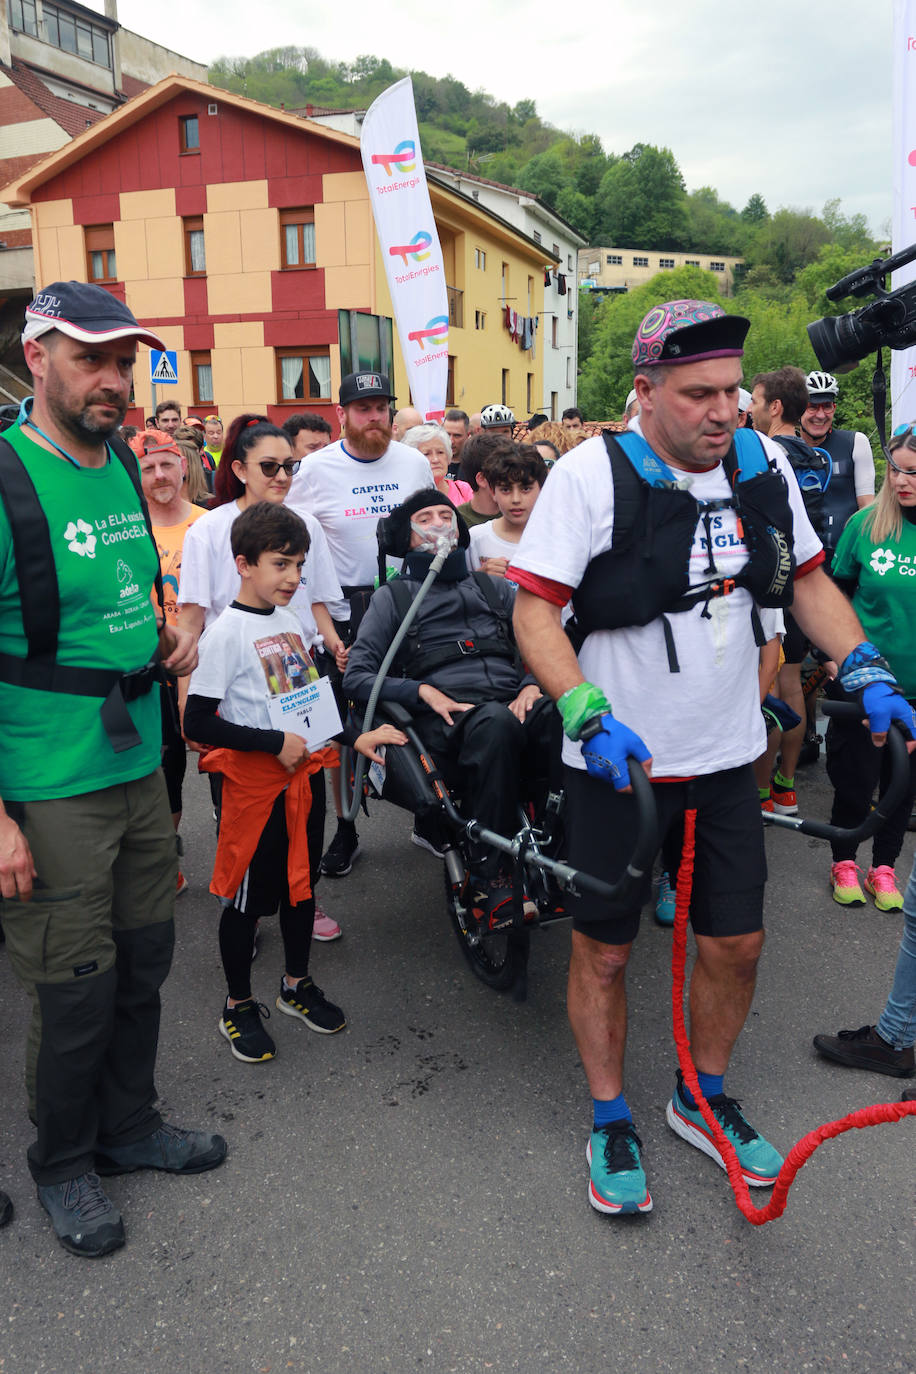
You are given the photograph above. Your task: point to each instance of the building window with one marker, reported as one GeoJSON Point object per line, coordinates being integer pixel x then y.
{"type": "Point", "coordinates": [614, 260]}
{"type": "Point", "coordinates": [303, 374]}
{"type": "Point", "coordinates": [480, 319]}
{"type": "Point", "coordinates": [529, 392]}
{"type": "Point", "coordinates": [717, 267]}
{"type": "Point", "coordinates": [554, 332]}
{"type": "Point", "coordinates": [195, 257]}
{"type": "Point", "coordinates": [100, 253]}
{"type": "Point", "coordinates": [667, 264]}
{"type": "Point", "coordinates": [23, 16]}
{"type": "Point", "coordinates": [504, 392]}
{"type": "Point", "coordinates": [189, 134]}
{"type": "Point", "coordinates": [640, 262]}
{"type": "Point", "coordinates": [455, 306]}
{"type": "Point", "coordinates": [554, 405]}
{"type": "Point", "coordinates": [450, 381]}
{"type": "Point", "coordinates": [202, 379]}
{"type": "Point", "coordinates": [569, 362]}
{"type": "Point", "coordinates": [366, 343]}
{"type": "Point", "coordinates": [480, 259]}
{"type": "Point", "coordinates": [556, 250]}
{"type": "Point", "coordinates": [569, 266]}
{"type": "Point", "coordinates": [66, 31]}
{"type": "Point", "coordinates": [691, 262]}
{"type": "Point", "coordinates": [297, 238]}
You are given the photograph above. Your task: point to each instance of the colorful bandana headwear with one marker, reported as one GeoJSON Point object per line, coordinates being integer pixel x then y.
{"type": "Point", "coordinates": [688, 332]}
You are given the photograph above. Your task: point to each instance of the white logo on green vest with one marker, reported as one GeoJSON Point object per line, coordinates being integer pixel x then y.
{"type": "Point", "coordinates": [80, 538]}
{"type": "Point", "coordinates": [882, 560]}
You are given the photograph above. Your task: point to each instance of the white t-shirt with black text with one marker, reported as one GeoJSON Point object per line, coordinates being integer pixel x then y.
{"type": "Point", "coordinates": [706, 717]}
{"type": "Point", "coordinates": [348, 496]}
{"type": "Point", "coordinates": [246, 657]}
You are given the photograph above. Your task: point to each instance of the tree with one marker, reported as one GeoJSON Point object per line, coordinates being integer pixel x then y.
{"type": "Point", "coordinates": [577, 209]}
{"type": "Point", "coordinates": [641, 201]}
{"type": "Point", "coordinates": [545, 175]}
{"type": "Point", "coordinates": [788, 241]}
{"type": "Point", "coordinates": [755, 212]}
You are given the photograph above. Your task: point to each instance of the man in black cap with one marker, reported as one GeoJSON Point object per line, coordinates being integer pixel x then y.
{"type": "Point", "coordinates": [459, 672]}
{"type": "Point", "coordinates": [347, 488]}
{"type": "Point", "coordinates": [667, 539]}
{"type": "Point", "coordinates": [88, 864]}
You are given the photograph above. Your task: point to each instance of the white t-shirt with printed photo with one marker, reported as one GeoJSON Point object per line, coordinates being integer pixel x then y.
{"type": "Point", "coordinates": [348, 496]}
{"type": "Point", "coordinates": [246, 657]}
{"type": "Point", "coordinates": [209, 577]}
{"type": "Point", "coordinates": [706, 717]}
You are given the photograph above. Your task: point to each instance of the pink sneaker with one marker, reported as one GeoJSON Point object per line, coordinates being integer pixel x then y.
{"type": "Point", "coordinates": [844, 879]}
{"type": "Point", "coordinates": [325, 927]}
{"type": "Point", "coordinates": [881, 882]}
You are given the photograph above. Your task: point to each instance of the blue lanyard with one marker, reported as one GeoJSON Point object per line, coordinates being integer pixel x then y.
{"type": "Point", "coordinates": [25, 418]}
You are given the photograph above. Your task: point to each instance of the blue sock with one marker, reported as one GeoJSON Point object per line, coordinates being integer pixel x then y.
{"type": "Point", "coordinates": [610, 1109]}
{"type": "Point", "coordinates": [711, 1084]}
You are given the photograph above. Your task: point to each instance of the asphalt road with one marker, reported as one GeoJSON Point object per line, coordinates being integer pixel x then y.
{"type": "Point", "coordinates": [411, 1194]}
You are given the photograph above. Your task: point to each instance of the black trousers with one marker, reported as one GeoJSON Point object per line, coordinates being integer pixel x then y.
{"type": "Point", "coordinates": [856, 767]}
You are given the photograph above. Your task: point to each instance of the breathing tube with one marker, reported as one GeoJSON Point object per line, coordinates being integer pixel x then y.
{"type": "Point", "coordinates": [444, 548]}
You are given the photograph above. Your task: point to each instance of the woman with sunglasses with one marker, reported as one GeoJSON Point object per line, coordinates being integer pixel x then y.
{"type": "Point", "coordinates": [257, 464]}
{"type": "Point", "coordinates": [875, 564]}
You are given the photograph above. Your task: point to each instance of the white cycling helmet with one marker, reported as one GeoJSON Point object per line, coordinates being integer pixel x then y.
{"type": "Point", "coordinates": [822, 386]}
{"type": "Point", "coordinates": [496, 417]}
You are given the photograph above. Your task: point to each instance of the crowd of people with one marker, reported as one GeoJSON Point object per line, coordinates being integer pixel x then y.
{"type": "Point", "coordinates": [599, 596]}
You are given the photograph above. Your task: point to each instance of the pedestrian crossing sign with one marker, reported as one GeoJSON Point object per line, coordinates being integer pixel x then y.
{"type": "Point", "coordinates": [163, 368]}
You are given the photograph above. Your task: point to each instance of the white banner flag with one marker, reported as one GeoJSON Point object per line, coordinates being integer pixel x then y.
{"type": "Point", "coordinates": [390, 145]}
{"type": "Point", "coordinates": [903, 363]}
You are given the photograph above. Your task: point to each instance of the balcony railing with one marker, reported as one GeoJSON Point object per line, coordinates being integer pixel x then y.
{"type": "Point", "coordinates": [455, 307]}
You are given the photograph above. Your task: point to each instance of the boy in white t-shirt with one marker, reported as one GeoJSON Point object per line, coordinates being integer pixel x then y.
{"type": "Point", "coordinates": [273, 800]}
{"type": "Point", "coordinates": [515, 474]}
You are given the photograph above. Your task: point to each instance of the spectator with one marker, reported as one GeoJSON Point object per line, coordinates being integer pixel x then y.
{"type": "Point", "coordinates": [434, 443]}
{"type": "Point", "coordinates": [405, 419]}
{"type": "Point", "coordinates": [168, 416]}
{"type": "Point", "coordinates": [481, 506]}
{"type": "Point", "coordinates": [307, 433]}
{"type": "Point", "coordinates": [515, 474]}
{"type": "Point", "coordinates": [572, 418]}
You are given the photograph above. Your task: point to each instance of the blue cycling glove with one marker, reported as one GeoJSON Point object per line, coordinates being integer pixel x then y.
{"type": "Point", "coordinates": [606, 747]}
{"type": "Point", "coordinates": [882, 704]}
{"type": "Point", "coordinates": [866, 674]}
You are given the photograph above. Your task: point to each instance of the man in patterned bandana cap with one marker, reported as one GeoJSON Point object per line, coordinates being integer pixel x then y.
{"type": "Point", "coordinates": [615, 529]}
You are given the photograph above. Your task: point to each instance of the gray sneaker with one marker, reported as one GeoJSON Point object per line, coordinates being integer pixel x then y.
{"type": "Point", "coordinates": [85, 1219]}
{"type": "Point", "coordinates": [171, 1148]}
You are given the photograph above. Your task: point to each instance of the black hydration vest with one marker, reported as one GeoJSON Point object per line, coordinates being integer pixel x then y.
{"type": "Point", "coordinates": [39, 597]}
{"type": "Point", "coordinates": [813, 468]}
{"type": "Point", "coordinates": [644, 576]}
{"type": "Point", "coordinates": [417, 659]}
{"type": "Point", "coordinates": [840, 497]}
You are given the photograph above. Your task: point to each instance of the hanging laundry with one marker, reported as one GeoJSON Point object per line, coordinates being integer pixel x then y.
{"type": "Point", "coordinates": [546, 276]}
{"type": "Point", "coordinates": [561, 284]}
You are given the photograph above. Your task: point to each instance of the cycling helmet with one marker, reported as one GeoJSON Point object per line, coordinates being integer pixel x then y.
{"type": "Point", "coordinates": [496, 417]}
{"type": "Point", "coordinates": [822, 386]}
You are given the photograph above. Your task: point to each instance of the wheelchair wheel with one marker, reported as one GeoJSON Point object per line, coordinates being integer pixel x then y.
{"type": "Point", "coordinates": [499, 960]}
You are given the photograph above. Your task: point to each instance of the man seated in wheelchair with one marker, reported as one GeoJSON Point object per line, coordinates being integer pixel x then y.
{"type": "Point", "coordinates": [488, 728]}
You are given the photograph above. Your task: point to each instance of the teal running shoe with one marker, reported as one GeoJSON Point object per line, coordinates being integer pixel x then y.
{"type": "Point", "coordinates": [617, 1183]}
{"type": "Point", "coordinates": [760, 1162]}
{"type": "Point", "coordinates": [664, 901]}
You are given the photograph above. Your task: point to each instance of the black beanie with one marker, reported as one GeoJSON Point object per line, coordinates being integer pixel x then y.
{"type": "Point", "coordinates": [393, 530]}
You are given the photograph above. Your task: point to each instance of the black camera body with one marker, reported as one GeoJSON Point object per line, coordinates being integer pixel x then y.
{"type": "Point", "coordinates": [842, 341]}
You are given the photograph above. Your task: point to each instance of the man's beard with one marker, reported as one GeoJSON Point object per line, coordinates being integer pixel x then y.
{"type": "Point", "coordinates": [82, 424]}
{"type": "Point", "coordinates": [372, 443]}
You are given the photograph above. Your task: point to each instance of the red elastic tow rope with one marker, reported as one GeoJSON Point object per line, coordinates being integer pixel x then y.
{"type": "Point", "coordinates": [804, 1149]}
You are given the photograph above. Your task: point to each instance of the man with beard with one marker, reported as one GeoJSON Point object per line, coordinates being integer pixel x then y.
{"type": "Point", "coordinates": [348, 487]}
{"type": "Point", "coordinates": [87, 851]}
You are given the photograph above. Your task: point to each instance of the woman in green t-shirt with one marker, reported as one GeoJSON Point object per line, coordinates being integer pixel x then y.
{"type": "Point", "coordinates": [875, 564]}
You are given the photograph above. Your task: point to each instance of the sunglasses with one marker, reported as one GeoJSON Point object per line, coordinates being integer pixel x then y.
{"type": "Point", "coordinates": [903, 472]}
{"type": "Point", "coordinates": [270, 468]}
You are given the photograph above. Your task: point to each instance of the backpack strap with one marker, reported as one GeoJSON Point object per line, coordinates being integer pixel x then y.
{"type": "Point", "coordinates": [625, 483]}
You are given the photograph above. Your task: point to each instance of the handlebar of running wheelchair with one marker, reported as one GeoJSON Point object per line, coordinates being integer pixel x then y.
{"type": "Point", "coordinates": [889, 800]}
{"type": "Point", "coordinates": [573, 879]}
{"type": "Point", "coordinates": [519, 848]}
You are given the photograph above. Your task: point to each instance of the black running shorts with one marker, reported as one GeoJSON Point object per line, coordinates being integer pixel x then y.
{"type": "Point", "coordinates": [729, 866]}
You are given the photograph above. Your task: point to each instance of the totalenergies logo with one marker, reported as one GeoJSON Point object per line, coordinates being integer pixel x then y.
{"type": "Point", "coordinates": [418, 248]}
{"type": "Point", "coordinates": [403, 159]}
{"type": "Point", "coordinates": [436, 332]}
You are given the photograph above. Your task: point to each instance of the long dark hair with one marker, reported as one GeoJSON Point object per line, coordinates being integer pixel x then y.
{"type": "Point", "coordinates": [244, 432]}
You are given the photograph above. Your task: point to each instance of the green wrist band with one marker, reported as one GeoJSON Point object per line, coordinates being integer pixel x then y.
{"type": "Point", "coordinates": [579, 705]}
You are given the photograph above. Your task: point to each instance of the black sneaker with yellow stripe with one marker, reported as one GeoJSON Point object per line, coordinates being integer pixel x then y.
{"type": "Point", "coordinates": [241, 1026]}
{"type": "Point", "coordinates": [308, 1002]}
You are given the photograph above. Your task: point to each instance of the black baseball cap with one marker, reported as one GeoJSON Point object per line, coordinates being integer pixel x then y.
{"type": "Point", "coordinates": [87, 313]}
{"type": "Point", "coordinates": [363, 386]}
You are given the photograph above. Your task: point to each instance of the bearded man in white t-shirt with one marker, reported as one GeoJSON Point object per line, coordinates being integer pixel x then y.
{"type": "Point", "coordinates": [683, 677]}
{"type": "Point", "coordinates": [348, 486]}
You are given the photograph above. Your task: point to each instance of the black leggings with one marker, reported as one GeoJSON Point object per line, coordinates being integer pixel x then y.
{"type": "Point", "coordinates": [856, 767]}
{"type": "Point", "coordinates": [267, 892]}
